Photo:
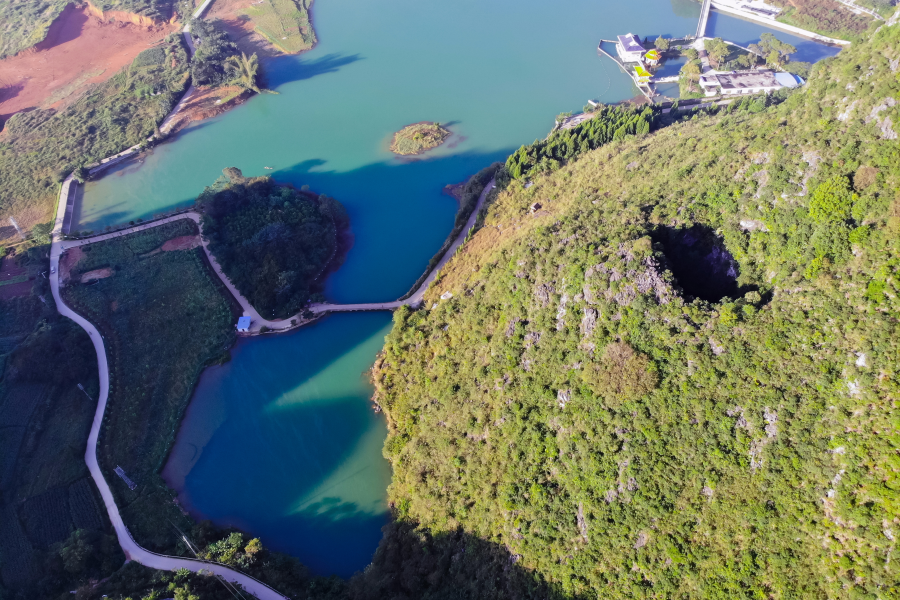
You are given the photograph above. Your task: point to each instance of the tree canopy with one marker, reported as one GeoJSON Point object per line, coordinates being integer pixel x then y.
{"type": "Point", "coordinates": [272, 241]}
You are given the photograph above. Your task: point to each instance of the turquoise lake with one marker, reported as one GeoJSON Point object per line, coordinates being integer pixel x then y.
{"type": "Point", "coordinates": [282, 441]}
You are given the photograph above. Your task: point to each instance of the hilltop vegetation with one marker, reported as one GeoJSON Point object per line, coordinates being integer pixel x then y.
{"type": "Point", "coordinates": [677, 376]}
{"type": "Point", "coordinates": [25, 23]}
{"type": "Point", "coordinates": [40, 147]}
{"type": "Point", "coordinates": [272, 241]}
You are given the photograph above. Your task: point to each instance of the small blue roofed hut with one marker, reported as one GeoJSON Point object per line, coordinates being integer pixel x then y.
{"type": "Point", "coordinates": [243, 324]}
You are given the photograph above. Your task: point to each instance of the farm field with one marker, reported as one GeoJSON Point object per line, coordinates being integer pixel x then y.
{"type": "Point", "coordinates": [38, 148]}
{"type": "Point", "coordinates": [49, 503]}
{"type": "Point", "coordinates": [164, 319]}
{"type": "Point", "coordinates": [255, 24]}
{"type": "Point", "coordinates": [14, 280]}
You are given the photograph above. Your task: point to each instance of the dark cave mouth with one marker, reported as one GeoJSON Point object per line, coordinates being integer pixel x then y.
{"type": "Point", "coordinates": [702, 265]}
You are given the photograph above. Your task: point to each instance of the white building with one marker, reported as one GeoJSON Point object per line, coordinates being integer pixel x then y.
{"type": "Point", "coordinates": [746, 82]}
{"type": "Point", "coordinates": [243, 324]}
{"type": "Point", "coordinates": [629, 48]}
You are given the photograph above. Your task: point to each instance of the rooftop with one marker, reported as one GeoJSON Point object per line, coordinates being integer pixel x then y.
{"type": "Point", "coordinates": [739, 80]}
{"type": "Point", "coordinates": [630, 43]}
{"type": "Point", "coordinates": [243, 323]}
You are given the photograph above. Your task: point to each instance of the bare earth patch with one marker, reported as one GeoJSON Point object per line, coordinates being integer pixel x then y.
{"type": "Point", "coordinates": [96, 274]}
{"type": "Point", "coordinates": [68, 261]}
{"type": "Point", "coordinates": [185, 242]}
{"type": "Point", "coordinates": [207, 103]}
{"type": "Point", "coordinates": [79, 50]}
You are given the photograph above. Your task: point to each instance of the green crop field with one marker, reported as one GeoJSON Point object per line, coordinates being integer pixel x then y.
{"type": "Point", "coordinates": [46, 492]}
{"type": "Point", "coordinates": [164, 319]}
{"type": "Point", "coordinates": [285, 23]}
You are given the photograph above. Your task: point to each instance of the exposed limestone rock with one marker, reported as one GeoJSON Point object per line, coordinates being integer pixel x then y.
{"type": "Point", "coordinates": [588, 322]}
{"type": "Point", "coordinates": [542, 293]}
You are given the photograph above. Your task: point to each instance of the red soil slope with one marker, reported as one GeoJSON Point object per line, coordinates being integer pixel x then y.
{"type": "Point", "coordinates": [79, 50]}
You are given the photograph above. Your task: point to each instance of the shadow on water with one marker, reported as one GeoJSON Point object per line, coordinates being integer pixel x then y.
{"type": "Point", "coordinates": [287, 69]}
{"type": "Point", "coordinates": [702, 265]}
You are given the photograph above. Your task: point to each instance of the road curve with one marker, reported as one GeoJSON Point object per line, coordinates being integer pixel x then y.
{"type": "Point", "coordinates": [131, 548]}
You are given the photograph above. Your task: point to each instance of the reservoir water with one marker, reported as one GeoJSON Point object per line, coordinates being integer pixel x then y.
{"type": "Point", "coordinates": [282, 441]}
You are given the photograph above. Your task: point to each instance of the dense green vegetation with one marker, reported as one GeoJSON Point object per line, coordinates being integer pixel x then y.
{"type": "Point", "coordinates": [164, 318]}
{"type": "Point", "coordinates": [827, 17]}
{"type": "Point", "coordinates": [55, 533]}
{"type": "Point", "coordinates": [579, 405]}
{"type": "Point", "coordinates": [418, 138]}
{"type": "Point", "coordinates": [611, 123]}
{"type": "Point", "coordinates": [272, 241]}
{"type": "Point", "coordinates": [39, 148]}
{"type": "Point", "coordinates": [25, 23]}
{"type": "Point", "coordinates": [214, 47]}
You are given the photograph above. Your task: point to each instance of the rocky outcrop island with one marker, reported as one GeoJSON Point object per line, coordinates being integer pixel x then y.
{"type": "Point", "coordinates": [418, 138]}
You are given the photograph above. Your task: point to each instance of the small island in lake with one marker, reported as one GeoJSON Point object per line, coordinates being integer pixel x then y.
{"type": "Point", "coordinates": [418, 138]}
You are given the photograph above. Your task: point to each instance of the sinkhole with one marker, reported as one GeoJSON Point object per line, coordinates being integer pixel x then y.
{"type": "Point", "coordinates": [702, 265]}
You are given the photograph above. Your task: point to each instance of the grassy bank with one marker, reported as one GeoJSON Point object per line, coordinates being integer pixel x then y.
{"type": "Point", "coordinates": [164, 318]}
{"type": "Point", "coordinates": [284, 23]}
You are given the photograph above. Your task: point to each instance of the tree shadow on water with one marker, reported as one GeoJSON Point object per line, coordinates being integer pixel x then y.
{"type": "Point", "coordinates": [282, 70]}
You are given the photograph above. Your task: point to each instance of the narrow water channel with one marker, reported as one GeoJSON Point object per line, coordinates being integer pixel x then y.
{"type": "Point", "coordinates": [282, 441]}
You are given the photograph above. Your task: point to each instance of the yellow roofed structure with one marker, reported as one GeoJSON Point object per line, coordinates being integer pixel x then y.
{"type": "Point", "coordinates": [643, 74]}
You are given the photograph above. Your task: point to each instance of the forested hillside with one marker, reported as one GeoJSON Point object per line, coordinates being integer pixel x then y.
{"type": "Point", "coordinates": [669, 367]}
